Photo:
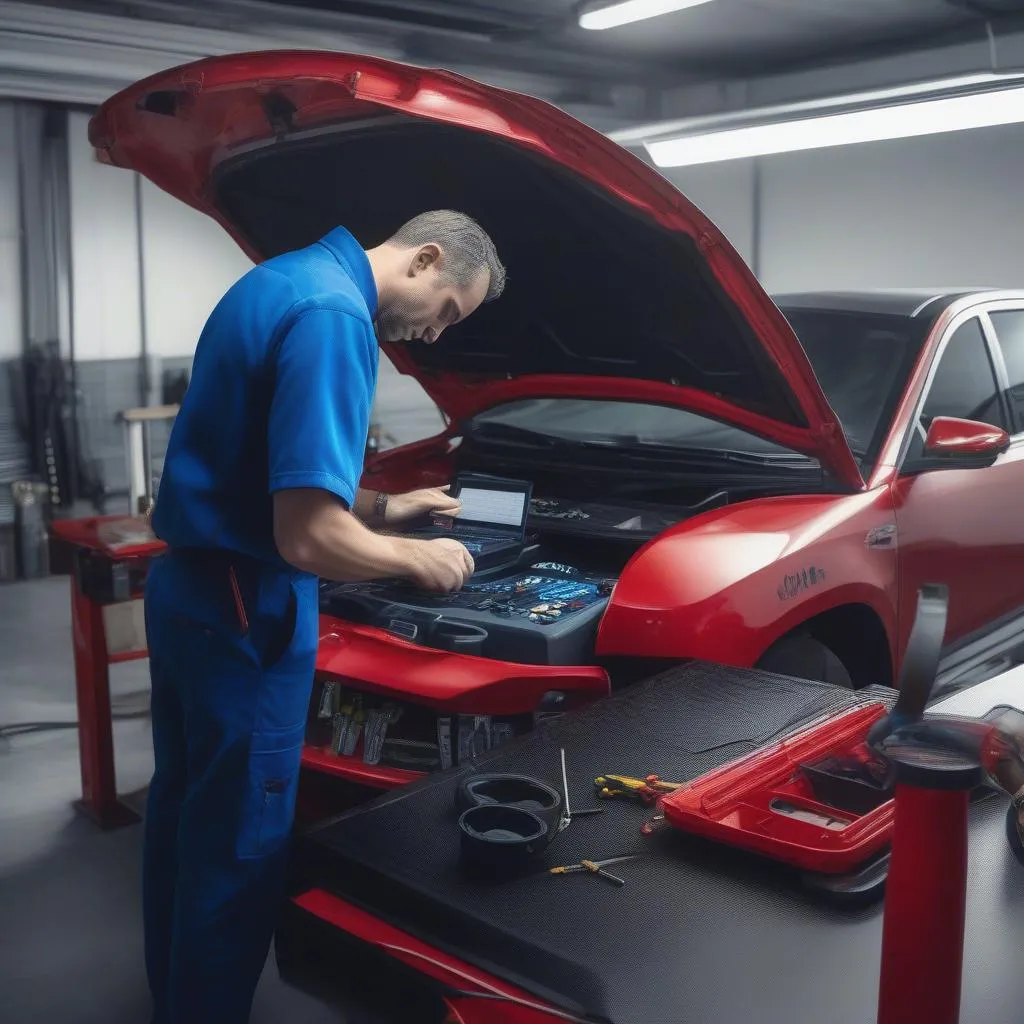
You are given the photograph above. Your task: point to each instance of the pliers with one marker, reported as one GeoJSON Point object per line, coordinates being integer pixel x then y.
{"type": "Point", "coordinates": [646, 790]}
{"type": "Point", "coordinates": [595, 867]}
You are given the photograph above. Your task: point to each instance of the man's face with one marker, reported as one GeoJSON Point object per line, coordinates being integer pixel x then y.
{"type": "Point", "coordinates": [423, 301]}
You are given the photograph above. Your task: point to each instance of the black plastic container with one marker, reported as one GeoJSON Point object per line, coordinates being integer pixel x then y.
{"type": "Point", "coordinates": [460, 637]}
{"type": "Point", "coordinates": [847, 785]}
{"type": "Point", "coordinates": [498, 840]}
{"type": "Point", "coordinates": [488, 790]}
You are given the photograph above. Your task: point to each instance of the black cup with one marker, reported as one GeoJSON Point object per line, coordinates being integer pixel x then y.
{"type": "Point", "coordinates": [498, 840]}
{"type": "Point", "coordinates": [512, 791]}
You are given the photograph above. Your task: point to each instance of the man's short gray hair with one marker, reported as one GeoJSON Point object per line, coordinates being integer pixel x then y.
{"type": "Point", "coordinates": [468, 249]}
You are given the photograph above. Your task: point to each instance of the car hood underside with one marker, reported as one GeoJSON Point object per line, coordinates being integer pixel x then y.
{"type": "Point", "coordinates": [617, 286]}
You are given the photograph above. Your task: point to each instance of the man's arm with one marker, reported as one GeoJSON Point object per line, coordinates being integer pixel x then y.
{"type": "Point", "coordinates": [316, 533]}
{"type": "Point", "coordinates": [399, 508]}
{"type": "Point", "coordinates": [317, 428]}
{"type": "Point", "coordinates": [364, 506]}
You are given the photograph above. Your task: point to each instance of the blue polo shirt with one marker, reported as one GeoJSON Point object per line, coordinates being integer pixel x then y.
{"type": "Point", "coordinates": [280, 396]}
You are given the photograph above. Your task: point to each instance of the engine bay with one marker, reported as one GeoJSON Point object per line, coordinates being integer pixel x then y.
{"type": "Point", "coordinates": [544, 614]}
{"type": "Point", "coordinates": [537, 599]}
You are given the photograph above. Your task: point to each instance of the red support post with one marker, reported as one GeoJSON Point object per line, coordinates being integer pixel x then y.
{"type": "Point", "coordinates": [925, 907]}
{"type": "Point", "coordinates": [95, 725]}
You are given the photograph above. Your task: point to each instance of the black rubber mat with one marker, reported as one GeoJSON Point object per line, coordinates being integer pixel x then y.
{"type": "Point", "coordinates": [578, 941]}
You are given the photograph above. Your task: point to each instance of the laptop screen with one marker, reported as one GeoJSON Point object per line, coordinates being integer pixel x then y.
{"type": "Point", "coordinates": [500, 507]}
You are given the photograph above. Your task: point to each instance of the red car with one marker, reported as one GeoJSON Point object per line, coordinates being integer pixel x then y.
{"type": "Point", "coordinates": [711, 474]}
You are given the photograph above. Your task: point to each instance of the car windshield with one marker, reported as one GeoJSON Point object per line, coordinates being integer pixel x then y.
{"type": "Point", "coordinates": [861, 360]}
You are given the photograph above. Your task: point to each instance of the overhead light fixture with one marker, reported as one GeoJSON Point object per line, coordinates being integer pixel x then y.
{"type": "Point", "coordinates": [626, 11]}
{"type": "Point", "coordinates": [985, 101]}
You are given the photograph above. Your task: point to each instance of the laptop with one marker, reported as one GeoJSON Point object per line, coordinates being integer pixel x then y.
{"type": "Point", "coordinates": [492, 521]}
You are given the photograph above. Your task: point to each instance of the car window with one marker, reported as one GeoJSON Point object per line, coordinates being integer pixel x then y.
{"type": "Point", "coordinates": [1009, 326]}
{"type": "Point", "coordinates": [587, 419]}
{"type": "Point", "coordinates": [862, 361]}
{"type": "Point", "coordinates": [964, 385]}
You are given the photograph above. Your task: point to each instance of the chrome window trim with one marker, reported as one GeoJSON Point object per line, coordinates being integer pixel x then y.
{"type": "Point", "coordinates": [1004, 306]}
{"type": "Point", "coordinates": [924, 305]}
{"type": "Point", "coordinates": [951, 319]}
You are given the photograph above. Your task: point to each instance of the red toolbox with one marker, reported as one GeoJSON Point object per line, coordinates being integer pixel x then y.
{"type": "Point", "coordinates": [818, 800]}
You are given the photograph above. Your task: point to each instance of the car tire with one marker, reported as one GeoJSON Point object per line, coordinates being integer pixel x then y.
{"type": "Point", "coordinates": [804, 657]}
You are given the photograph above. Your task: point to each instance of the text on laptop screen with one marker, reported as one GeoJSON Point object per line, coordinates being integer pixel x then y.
{"type": "Point", "coordinates": [506, 508]}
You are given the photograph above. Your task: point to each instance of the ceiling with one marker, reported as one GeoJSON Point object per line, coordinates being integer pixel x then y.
{"type": "Point", "coordinates": [719, 39]}
{"type": "Point", "coordinates": [610, 79]}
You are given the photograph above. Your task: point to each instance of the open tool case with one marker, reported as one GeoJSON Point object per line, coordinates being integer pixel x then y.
{"type": "Point", "coordinates": [819, 800]}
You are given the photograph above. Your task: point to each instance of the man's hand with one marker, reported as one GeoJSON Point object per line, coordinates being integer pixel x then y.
{"type": "Point", "coordinates": [315, 532]}
{"type": "Point", "coordinates": [403, 507]}
{"type": "Point", "coordinates": [441, 566]}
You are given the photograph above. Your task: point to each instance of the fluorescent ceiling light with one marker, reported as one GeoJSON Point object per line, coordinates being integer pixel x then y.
{"type": "Point", "coordinates": [626, 11]}
{"type": "Point", "coordinates": [874, 124]}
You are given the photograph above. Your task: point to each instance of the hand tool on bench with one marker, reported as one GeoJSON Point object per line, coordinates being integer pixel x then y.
{"type": "Point", "coordinates": [595, 867]}
{"type": "Point", "coordinates": [646, 790]}
{"type": "Point", "coordinates": [567, 814]}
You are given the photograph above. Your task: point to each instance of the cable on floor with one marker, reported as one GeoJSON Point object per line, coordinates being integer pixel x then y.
{"type": "Point", "coordinates": [120, 713]}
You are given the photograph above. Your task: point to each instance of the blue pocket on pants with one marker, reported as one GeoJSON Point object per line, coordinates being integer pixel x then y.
{"type": "Point", "coordinates": [272, 785]}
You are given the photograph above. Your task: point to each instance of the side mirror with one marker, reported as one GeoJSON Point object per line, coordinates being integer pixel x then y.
{"type": "Point", "coordinates": [963, 444]}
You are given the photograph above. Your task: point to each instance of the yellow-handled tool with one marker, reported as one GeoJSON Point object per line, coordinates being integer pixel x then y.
{"type": "Point", "coordinates": [646, 790]}
{"type": "Point", "coordinates": [595, 867]}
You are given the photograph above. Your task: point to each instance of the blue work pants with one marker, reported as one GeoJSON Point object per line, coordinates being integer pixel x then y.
{"type": "Point", "coordinates": [232, 646]}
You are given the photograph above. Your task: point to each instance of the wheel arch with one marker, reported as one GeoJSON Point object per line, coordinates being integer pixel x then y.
{"type": "Point", "coordinates": [856, 634]}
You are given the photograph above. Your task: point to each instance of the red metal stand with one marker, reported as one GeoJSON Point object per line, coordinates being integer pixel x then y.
{"type": "Point", "coordinates": [926, 895]}
{"type": "Point", "coordinates": [102, 575]}
{"type": "Point", "coordinates": [95, 724]}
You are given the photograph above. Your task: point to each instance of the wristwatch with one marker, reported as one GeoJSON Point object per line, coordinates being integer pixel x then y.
{"type": "Point", "coordinates": [380, 505]}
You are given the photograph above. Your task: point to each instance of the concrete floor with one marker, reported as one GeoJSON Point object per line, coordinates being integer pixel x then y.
{"type": "Point", "coordinates": [70, 918]}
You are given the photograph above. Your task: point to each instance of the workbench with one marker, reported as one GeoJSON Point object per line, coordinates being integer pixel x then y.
{"type": "Point", "coordinates": [110, 559]}
{"type": "Point", "coordinates": [699, 932]}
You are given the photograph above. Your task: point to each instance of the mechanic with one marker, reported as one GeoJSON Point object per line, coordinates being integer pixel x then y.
{"type": "Point", "coordinates": [259, 497]}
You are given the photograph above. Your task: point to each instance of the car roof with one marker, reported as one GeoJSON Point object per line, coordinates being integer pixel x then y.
{"type": "Point", "coordinates": [908, 302]}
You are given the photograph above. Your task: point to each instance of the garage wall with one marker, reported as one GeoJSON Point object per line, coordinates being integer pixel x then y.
{"type": "Point", "coordinates": [189, 262]}
{"type": "Point", "coordinates": [106, 310]}
{"type": "Point", "coordinates": [942, 211]}
{"type": "Point", "coordinates": [104, 252]}
{"type": "Point", "coordinates": [10, 250]}
{"type": "Point", "coordinates": [725, 193]}
{"type": "Point", "coordinates": [12, 452]}
{"type": "Point", "coordinates": [932, 212]}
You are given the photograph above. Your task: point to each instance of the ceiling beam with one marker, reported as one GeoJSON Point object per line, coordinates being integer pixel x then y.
{"type": "Point", "coordinates": [505, 47]}
{"type": "Point", "coordinates": [68, 56]}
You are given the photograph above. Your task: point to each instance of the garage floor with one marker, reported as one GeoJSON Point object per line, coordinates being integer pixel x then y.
{"type": "Point", "coordinates": [70, 919]}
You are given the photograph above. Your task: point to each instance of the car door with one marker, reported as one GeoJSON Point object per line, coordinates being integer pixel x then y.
{"type": "Point", "coordinates": [965, 527]}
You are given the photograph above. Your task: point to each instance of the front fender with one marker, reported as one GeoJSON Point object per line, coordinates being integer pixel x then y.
{"type": "Point", "coordinates": [725, 587]}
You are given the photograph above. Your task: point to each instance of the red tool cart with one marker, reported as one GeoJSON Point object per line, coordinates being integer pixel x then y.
{"type": "Point", "coordinates": [110, 558]}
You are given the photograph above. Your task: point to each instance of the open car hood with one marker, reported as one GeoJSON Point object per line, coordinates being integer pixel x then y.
{"type": "Point", "coordinates": [618, 287]}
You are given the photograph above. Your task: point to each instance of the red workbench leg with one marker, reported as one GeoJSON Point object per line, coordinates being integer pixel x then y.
{"type": "Point", "coordinates": [95, 725]}
{"type": "Point", "coordinates": [925, 908]}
